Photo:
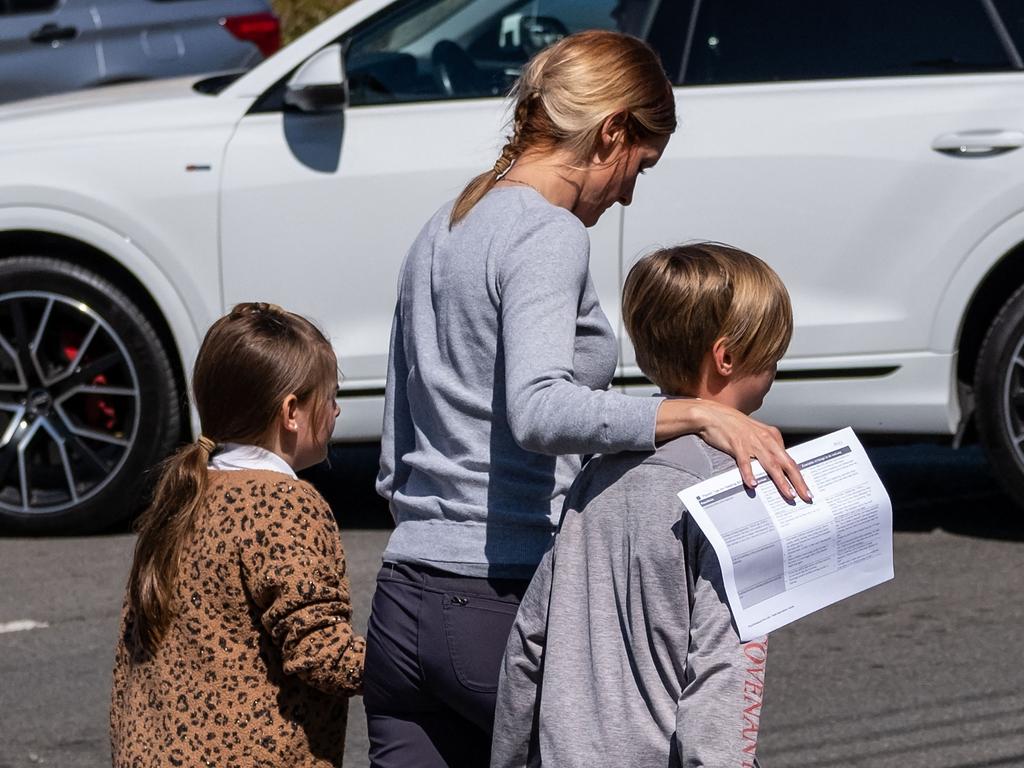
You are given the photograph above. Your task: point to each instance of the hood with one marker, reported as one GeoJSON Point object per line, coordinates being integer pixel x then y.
{"type": "Point", "coordinates": [113, 109]}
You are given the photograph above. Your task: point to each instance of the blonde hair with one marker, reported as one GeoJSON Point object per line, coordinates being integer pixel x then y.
{"type": "Point", "coordinates": [249, 362]}
{"type": "Point", "coordinates": [566, 92]}
{"type": "Point", "coordinates": [678, 302]}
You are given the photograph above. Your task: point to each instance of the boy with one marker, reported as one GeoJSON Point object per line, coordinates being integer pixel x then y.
{"type": "Point", "coordinates": [624, 652]}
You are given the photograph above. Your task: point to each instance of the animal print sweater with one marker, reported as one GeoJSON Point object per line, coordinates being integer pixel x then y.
{"type": "Point", "coordinates": [259, 659]}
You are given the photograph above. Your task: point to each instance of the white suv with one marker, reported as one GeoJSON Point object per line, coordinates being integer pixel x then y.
{"type": "Point", "coordinates": [865, 150]}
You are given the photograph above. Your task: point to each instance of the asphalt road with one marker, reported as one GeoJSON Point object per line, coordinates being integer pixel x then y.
{"type": "Point", "coordinates": [922, 671]}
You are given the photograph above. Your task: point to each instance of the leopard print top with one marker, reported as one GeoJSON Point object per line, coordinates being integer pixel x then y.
{"type": "Point", "coordinates": [259, 660]}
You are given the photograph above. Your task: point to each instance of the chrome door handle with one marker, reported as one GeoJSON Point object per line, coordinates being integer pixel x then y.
{"type": "Point", "coordinates": [978, 143]}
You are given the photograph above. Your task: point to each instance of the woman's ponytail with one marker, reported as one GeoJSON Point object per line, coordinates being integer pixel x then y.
{"type": "Point", "coordinates": [483, 183]}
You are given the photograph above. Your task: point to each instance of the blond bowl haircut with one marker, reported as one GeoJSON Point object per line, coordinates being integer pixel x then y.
{"type": "Point", "coordinates": [677, 302]}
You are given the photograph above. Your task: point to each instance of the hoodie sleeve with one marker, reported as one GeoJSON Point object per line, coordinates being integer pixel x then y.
{"type": "Point", "coordinates": [514, 742]}
{"type": "Point", "coordinates": [719, 710]}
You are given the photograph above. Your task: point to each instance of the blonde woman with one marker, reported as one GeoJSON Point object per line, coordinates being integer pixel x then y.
{"type": "Point", "coordinates": [500, 362]}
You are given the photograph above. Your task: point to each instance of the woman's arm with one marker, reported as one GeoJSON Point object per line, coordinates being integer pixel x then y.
{"type": "Point", "coordinates": [542, 278]}
{"type": "Point", "coordinates": [740, 436]}
{"type": "Point", "coordinates": [397, 435]}
{"type": "Point", "coordinates": [541, 281]}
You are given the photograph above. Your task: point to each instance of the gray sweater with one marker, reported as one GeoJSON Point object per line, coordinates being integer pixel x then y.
{"type": "Point", "coordinates": [623, 652]}
{"type": "Point", "coordinates": [500, 360]}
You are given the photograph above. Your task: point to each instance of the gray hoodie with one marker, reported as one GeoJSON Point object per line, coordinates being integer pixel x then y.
{"type": "Point", "coordinates": [624, 652]}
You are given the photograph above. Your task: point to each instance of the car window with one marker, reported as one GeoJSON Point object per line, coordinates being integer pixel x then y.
{"type": "Point", "coordinates": [1012, 15]}
{"type": "Point", "coordinates": [666, 33]}
{"type": "Point", "coordinates": [740, 42]}
{"type": "Point", "coordinates": [27, 6]}
{"type": "Point", "coordinates": [453, 49]}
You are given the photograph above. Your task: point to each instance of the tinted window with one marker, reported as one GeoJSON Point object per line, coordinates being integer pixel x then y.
{"type": "Point", "coordinates": [1012, 13]}
{"type": "Point", "coordinates": [451, 49]}
{"type": "Point", "coordinates": [667, 34]}
{"type": "Point", "coordinates": [28, 6]}
{"type": "Point", "coordinates": [737, 42]}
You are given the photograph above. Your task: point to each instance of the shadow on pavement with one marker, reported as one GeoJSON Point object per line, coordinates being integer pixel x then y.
{"type": "Point", "coordinates": [346, 480]}
{"type": "Point", "coordinates": [934, 486]}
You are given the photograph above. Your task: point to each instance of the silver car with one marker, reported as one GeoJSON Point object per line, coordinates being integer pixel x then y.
{"type": "Point", "coordinates": [48, 46]}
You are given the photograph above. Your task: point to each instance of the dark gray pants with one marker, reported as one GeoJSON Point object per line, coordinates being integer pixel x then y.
{"type": "Point", "coordinates": [433, 650]}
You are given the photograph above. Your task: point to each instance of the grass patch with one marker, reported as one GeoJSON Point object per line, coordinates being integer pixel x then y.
{"type": "Point", "coordinates": [297, 16]}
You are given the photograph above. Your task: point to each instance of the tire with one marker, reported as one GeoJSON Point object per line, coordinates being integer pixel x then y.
{"type": "Point", "coordinates": [88, 399]}
{"type": "Point", "coordinates": [999, 396]}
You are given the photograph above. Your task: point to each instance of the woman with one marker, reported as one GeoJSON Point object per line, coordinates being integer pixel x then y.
{"type": "Point", "coordinates": [500, 362]}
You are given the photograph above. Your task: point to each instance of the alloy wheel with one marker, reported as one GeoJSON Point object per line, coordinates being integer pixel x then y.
{"type": "Point", "coordinates": [1013, 400]}
{"type": "Point", "coordinates": [69, 402]}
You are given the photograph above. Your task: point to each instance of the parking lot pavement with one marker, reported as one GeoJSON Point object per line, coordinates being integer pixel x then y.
{"type": "Point", "coordinates": [918, 672]}
{"type": "Point", "coordinates": [55, 676]}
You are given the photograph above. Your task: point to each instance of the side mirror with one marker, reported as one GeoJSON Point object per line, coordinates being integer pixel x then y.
{"type": "Point", "coordinates": [319, 85]}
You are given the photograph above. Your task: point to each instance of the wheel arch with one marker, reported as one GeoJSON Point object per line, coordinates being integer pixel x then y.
{"type": "Point", "coordinates": [39, 242]}
{"type": "Point", "coordinates": [1001, 281]}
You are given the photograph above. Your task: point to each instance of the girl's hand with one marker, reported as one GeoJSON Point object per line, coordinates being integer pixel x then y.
{"type": "Point", "coordinates": [740, 436]}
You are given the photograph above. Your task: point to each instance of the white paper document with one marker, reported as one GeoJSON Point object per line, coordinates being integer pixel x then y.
{"type": "Point", "coordinates": [782, 561]}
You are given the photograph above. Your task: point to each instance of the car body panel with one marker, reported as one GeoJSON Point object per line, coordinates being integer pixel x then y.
{"type": "Point", "coordinates": [184, 318]}
{"type": "Point", "coordinates": [963, 284]}
{"type": "Point", "coordinates": [158, 218]}
{"type": "Point", "coordinates": [118, 41]}
{"type": "Point", "coordinates": [866, 260]}
{"type": "Point", "coordinates": [169, 39]}
{"type": "Point", "coordinates": [35, 68]}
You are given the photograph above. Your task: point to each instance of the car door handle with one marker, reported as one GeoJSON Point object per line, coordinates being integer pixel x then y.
{"type": "Point", "coordinates": [978, 143]}
{"type": "Point", "coordinates": [53, 33]}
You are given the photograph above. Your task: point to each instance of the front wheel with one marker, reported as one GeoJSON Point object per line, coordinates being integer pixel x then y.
{"type": "Point", "coordinates": [999, 396]}
{"type": "Point", "coordinates": [88, 398]}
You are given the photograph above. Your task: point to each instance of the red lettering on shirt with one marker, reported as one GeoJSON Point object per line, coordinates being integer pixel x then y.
{"type": "Point", "coordinates": [756, 652]}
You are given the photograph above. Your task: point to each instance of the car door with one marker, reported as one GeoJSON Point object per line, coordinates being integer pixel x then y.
{"type": "Point", "coordinates": [318, 210]}
{"type": "Point", "coordinates": [46, 46]}
{"type": "Point", "coordinates": [145, 39]}
{"type": "Point", "coordinates": [829, 144]}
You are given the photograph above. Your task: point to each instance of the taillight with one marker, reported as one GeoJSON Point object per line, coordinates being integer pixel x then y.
{"type": "Point", "coordinates": [261, 29]}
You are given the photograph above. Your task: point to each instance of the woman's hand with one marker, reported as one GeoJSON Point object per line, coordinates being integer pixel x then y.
{"type": "Point", "coordinates": [740, 436]}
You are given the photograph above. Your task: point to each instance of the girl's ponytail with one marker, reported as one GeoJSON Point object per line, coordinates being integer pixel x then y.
{"type": "Point", "coordinates": [163, 530]}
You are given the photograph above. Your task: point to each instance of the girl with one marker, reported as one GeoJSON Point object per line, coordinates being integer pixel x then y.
{"type": "Point", "coordinates": [236, 647]}
{"type": "Point", "coordinates": [500, 361]}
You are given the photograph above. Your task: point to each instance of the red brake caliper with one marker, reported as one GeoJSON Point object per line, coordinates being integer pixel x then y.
{"type": "Point", "coordinates": [98, 413]}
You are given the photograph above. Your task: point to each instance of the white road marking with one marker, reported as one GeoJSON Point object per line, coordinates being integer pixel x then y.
{"type": "Point", "coordinates": [21, 625]}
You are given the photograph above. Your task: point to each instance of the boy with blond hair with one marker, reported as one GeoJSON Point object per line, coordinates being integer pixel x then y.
{"type": "Point", "coordinates": [624, 652]}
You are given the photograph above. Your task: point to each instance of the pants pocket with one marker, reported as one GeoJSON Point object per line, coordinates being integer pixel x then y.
{"type": "Point", "coordinates": [476, 630]}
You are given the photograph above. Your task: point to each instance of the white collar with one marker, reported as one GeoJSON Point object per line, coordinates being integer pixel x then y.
{"type": "Point", "coordinates": [233, 456]}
